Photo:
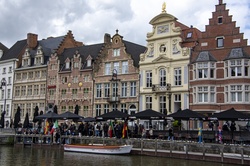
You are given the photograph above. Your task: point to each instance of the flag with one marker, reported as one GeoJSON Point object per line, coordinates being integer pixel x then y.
{"type": "Point", "coordinates": [55, 125]}
{"type": "Point", "coordinates": [124, 130]}
{"type": "Point", "coordinates": [46, 128]}
{"type": "Point", "coordinates": [110, 129]}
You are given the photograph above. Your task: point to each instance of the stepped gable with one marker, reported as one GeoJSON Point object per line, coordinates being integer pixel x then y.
{"type": "Point", "coordinates": [65, 43]}
{"type": "Point", "coordinates": [84, 51]}
{"type": "Point", "coordinates": [221, 29]}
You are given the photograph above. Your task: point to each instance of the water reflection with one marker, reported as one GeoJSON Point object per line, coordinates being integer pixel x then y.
{"type": "Point", "coordinates": [10, 156]}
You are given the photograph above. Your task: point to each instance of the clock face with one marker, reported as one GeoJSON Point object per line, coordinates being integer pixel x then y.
{"type": "Point", "coordinates": [80, 84]}
{"type": "Point", "coordinates": [162, 29]}
{"type": "Point", "coordinates": [69, 84]}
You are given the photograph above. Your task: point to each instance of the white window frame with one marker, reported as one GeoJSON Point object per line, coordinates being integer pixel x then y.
{"type": "Point", "coordinates": [133, 89]}
{"type": "Point", "coordinates": [177, 76]}
{"type": "Point", "coordinates": [149, 78]}
{"type": "Point", "coordinates": [107, 68]}
{"type": "Point", "coordinates": [98, 90]}
{"type": "Point", "coordinates": [124, 89]}
{"type": "Point", "coordinates": [163, 77]}
{"type": "Point", "coordinates": [124, 67]}
{"type": "Point", "coordinates": [116, 52]}
{"type": "Point", "coordinates": [148, 103]}
{"type": "Point", "coordinates": [116, 67]}
{"type": "Point", "coordinates": [106, 90]}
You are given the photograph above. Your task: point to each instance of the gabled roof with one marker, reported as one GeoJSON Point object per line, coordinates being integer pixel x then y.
{"type": "Point", "coordinates": [15, 50]}
{"type": "Point", "coordinates": [48, 46]}
{"type": "Point", "coordinates": [204, 56]}
{"type": "Point", "coordinates": [3, 47]}
{"type": "Point", "coordinates": [84, 51]}
{"type": "Point", "coordinates": [134, 50]}
{"type": "Point", "coordinates": [237, 53]}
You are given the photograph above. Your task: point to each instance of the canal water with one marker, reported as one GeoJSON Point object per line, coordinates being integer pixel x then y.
{"type": "Point", "coordinates": [19, 156]}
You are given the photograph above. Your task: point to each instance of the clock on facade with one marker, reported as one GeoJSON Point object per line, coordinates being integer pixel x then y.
{"type": "Point", "coordinates": [162, 29]}
{"type": "Point", "coordinates": [69, 84]}
{"type": "Point", "coordinates": [80, 84]}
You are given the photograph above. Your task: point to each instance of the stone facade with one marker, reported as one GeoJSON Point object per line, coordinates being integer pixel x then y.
{"type": "Point", "coordinates": [30, 81]}
{"type": "Point", "coordinates": [71, 81]}
{"type": "Point", "coordinates": [164, 66]}
{"type": "Point", "coordinates": [116, 76]}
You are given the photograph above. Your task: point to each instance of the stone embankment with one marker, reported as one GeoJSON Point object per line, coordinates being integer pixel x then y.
{"type": "Point", "coordinates": [224, 153]}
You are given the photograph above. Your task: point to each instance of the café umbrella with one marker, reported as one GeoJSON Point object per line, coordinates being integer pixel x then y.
{"type": "Point", "coordinates": [49, 115]}
{"type": "Point", "coordinates": [113, 115]}
{"type": "Point", "coordinates": [230, 114]}
{"type": "Point", "coordinates": [69, 115]}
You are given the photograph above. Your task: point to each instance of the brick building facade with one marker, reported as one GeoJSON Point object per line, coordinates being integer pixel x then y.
{"type": "Point", "coordinates": [219, 68]}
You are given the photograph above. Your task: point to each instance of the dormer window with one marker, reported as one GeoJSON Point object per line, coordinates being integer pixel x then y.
{"type": "Point", "coordinates": [38, 60]}
{"type": "Point", "coordinates": [67, 65]}
{"type": "Point", "coordinates": [219, 20]}
{"type": "Point", "coordinates": [189, 34]}
{"type": "Point", "coordinates": [25, 62]}
{"type": "Point", "coordinates": [89, 63]}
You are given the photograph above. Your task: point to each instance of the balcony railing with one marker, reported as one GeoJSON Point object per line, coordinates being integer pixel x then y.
{"type": "Point", "coordinates": [113, 98]}
{"type": "Point", "coordinates": [161, 87]}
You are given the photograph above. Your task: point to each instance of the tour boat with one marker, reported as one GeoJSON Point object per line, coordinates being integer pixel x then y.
{"type": "Point", "coordinates": [99, 148]}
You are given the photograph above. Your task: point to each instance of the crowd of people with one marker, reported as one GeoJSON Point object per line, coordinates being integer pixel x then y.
{"type": "Point", "coordinates": [98, 129]}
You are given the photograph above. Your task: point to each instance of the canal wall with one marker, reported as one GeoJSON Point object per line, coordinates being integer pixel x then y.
{"type": "Point", "coordinates": [224, 153]}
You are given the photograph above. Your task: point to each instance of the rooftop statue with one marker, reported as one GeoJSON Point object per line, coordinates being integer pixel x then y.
{"type": "Point", "coordinates": [164, 7]}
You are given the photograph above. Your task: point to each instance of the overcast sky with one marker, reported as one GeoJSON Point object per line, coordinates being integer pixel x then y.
{"type": "Point", "coordinates": [89, 20]}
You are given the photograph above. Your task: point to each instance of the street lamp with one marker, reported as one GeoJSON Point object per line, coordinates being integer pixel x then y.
{"type": "Point", "coordinates": [3, 83]}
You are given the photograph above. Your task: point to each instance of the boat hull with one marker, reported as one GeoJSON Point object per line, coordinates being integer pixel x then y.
{"type": "Point", "coordinates": [99, 149]}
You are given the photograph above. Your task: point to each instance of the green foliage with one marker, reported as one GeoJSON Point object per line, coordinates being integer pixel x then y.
{"type": "Point", "coordinates": [10, 141]}
{"type": "Point", "coordinates": [176, 123]}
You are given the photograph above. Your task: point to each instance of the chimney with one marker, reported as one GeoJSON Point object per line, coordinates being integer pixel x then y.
{"type": "Point", "coordinates": [220, 2]}
{"type": "Point", "coordinates": [32, 40]}
{"type": "Point", "coordinates": [107, 38]}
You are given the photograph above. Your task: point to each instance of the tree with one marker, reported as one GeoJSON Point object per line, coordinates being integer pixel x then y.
{"type": "Point", "coordinates": [55, 109]}
{"type": "Point", "coordinates": [17, 117]}
{"type": "Point", "coordinates": [40, 121]}
{"type": "Point", "coordinates": [35, 114]}
{"type": "Point", "coordinates": [26, 121]}
{"type": "Point", "coordinates": [76, 109]}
